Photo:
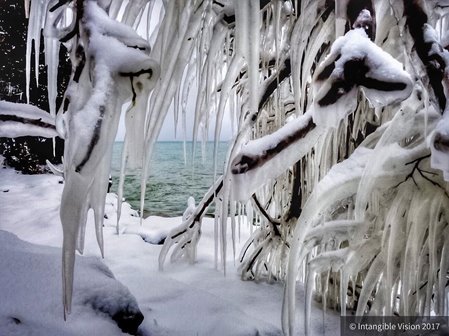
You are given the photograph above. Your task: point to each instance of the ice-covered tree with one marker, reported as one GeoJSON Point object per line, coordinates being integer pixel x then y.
{"type": "Point", "coordinates": [340, 155]}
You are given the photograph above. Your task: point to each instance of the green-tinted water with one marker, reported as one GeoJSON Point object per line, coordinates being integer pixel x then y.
{"type": "Point", "coordinates": [171, 182]}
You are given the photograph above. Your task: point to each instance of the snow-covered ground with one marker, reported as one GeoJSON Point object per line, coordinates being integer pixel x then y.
{"type": "Point", "coordinates": [181, 300]}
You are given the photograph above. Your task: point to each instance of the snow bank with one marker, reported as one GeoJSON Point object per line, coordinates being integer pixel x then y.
{"type": "Point", "coordinates": [29, 284]}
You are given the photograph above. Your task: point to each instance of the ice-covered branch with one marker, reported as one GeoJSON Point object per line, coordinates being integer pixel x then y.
{"type": "Point", "coordinates": [436, 59]}
{"type": "Point", "coordinates": [17, 120]}
{"type": "Point", "coordinates": [273, 222]}
{"type": "Point", "coordinates": [348, 181]}
{"type": "Point", "coordinates": [356, 62]}
{"type": "Point", "coordinates": [363, 185]}
{"type": "Point", "coordinates": [187, 235]}
{"type": "Point", "coordinates": [267, 157]}
{"type": "Point", "coordinates": [427, 48]}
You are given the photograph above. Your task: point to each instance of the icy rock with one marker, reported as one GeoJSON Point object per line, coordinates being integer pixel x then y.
{"type": "Point", "coordinates": [128, 320]}
{"type": "Point", "coordinates": [27, 311]}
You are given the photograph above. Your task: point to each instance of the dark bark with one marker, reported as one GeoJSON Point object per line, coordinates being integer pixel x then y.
{"type": "Point", "coordinates": [435, 65]}
{"type": "Point", "coordinates": [295, 209]}
{"type": "Point", "coordinates": [29, 121]}
{"type": "Point", "coordinates": [246, 162]}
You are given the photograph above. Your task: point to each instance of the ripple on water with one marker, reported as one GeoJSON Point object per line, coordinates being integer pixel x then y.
{"type": "Point", "coordinates": [170, 182]}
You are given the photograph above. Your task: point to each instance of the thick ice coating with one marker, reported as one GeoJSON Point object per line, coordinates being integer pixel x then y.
{"type": "Point", "coordinates": [111, 66]}
{"type": "Point", "coordinates": [18, 120]}
{"type": "Point", "coordinates": [356, 62]}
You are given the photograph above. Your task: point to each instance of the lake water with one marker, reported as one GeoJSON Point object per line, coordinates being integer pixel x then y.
{"type": "Point", "coordinates": [171, 181]}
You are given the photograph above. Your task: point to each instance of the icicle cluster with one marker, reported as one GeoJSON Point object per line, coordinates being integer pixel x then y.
{"type": "Point", "coordinates": [111, 65]}
{"type": "Point", "coordinates": [345, 136]}
{"type": "Point", "coordinates": [332, 158]}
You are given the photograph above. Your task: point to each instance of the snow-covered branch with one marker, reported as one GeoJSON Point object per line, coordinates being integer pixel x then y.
{"type": "Point", "coordinates": [356, 62]}
{"type": "Point", "coordinates": [187, 235]}
{"type": "Point", "coordinates": [427, 47]}
{"type": "Point", "coordinates": [267, 157]}
{"type": "Point", "coordinates": [17, 120]}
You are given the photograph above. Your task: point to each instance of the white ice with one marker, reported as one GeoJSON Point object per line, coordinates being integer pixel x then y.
{"type": "Point", "coordinates": [18, 120]}
{"type": "Point", "coordinates": [356, 46]}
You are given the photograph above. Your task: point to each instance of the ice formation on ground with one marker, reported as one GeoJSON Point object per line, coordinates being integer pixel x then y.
{"type": "Point", "coordinates": [27, 311]}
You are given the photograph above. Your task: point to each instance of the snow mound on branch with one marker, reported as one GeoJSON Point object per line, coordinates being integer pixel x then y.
{"type": "Point", "coordinates": [356, 62]}
{"type": "Point", "coordinates": [100, 299]}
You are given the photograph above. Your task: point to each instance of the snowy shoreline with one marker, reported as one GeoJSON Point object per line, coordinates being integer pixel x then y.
{"type": "Point", "coordinates": [182, 300]}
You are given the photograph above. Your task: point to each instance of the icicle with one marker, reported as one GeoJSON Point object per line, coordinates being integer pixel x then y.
{"type": "Point", "coordinates": [35, 24]}
{"type": "Point", "coordinates": [149, 16]}
{"type": "Point", "coordinates": [340, 20]}
{"type": "Point", "coordinates": [52, 46]}
{"type": "Point", "coordinates": [54, 170]}
{"type": "Point", "coordinates": [239, 217]}
{"type": "Point", "coordinates": [253, 40]}
{"type": "Point", "coordinates": [394, 226]}
{"type": "Point", "coordinates": [443, 306]}
{"type": "Point", "coordinates": [98, 196]}
{"type": "Point", "coordinates": [176, 110]}
{"type": "Point", "coordinates": [232, 73]}
{"type": "Point", "coordinates": [232, 214]}
{"type": "Point", "coordinates": [52, 61]}
{"type": "Point", "coordinates": [216, 232]}
{"type": "Point", "coordinates": [172, 74]}
{"type": "Point", "coordinates": [27, 8]}
{"type": "Point", "coordinates": [121, 183]}
{"type": "Point", "coordinates": [224, 220]}
{"type": "Point", "coordinates": [417, 214]}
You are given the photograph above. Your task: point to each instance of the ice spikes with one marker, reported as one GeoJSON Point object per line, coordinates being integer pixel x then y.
{"type": "Point", "coordinates": [88, 119]}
